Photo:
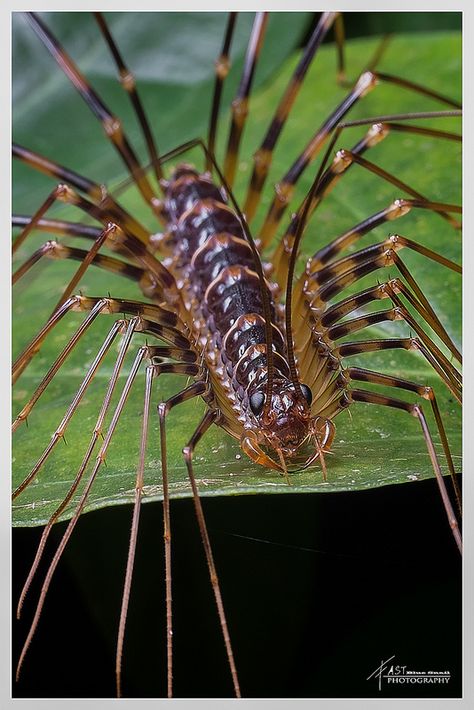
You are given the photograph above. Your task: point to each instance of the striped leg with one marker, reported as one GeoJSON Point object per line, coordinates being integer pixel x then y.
{"type": "Point", "coordinates": [194, 390]}
{"type": "Point", "coordinates": [152, 371]}
{"type": "Point", "coordinates": [98, 463]}
{"type": "Point", "coordinates": [97, 193]}
{"type": "Point", "coordinates": [415, 410]}
{"type": "Point", "coordinates": [157, 320]}
{"type": "Point", "coordinates": [118, 327]}
{"type": "Point", "coordinates": [110, 123]}
{"type": "Point", "coordinates": [450, 376]}
{"type": "Point", "coordinates": [127, 241]}
{"type": "Point", "coordinates": [127, 80]}
{"type": "Point", "coordinates": [56, 226]}
{"type": "Point", "coordinates": [76, 278]}
{"type": "Point", "coordinates": [325, 283]}
{"type": "Point", "coordinates": [427, 392]}
{"type": "Point", "coordinates": [222, 69]}
{"type": "Point", "coordinates": [390, 289]}
{"type": "Point", "coordinates": [209, 418]}
{"type": "Point", "coordinates": [240, 103]}
{"type": "Point", "coordinates": [284, 189]}
{"type": "Point", "coordinates": [54, 250]}
{"type": "Point", "coordinates": [326, 180]}
{"type": "Point", "coordinates": [263, 156]}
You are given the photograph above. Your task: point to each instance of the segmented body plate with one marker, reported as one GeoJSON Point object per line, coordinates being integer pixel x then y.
{"type": "Point", "coordinates": [214, 269]}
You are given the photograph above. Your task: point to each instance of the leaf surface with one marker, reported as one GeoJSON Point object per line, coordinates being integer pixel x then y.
{"type": "Point", "coordinates": [373, 446]}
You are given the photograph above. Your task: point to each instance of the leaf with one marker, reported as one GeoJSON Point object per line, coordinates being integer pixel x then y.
{"type": "Point", "coordinates": [373, 446]}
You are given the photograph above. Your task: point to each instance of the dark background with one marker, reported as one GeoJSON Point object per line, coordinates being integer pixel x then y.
{"type": "Point", "coordinates": [318, 588]}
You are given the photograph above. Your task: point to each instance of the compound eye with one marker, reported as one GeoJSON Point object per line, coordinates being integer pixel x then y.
{"type": "Point", "coordinates": [256, 402]}
{"type": "Point", "coordinates": [307, 394]}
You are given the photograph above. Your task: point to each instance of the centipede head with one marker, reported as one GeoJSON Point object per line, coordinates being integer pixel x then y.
{"type": "Point", "coordinates": [283, 434]}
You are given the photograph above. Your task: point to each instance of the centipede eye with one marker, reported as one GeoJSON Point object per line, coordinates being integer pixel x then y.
{"type": "Point", "coordinates": [256, 402]}
{"type": "Point", "coordinates": [307, 394]}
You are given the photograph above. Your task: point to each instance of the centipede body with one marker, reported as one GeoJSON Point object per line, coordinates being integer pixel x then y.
{"type": "Point", "coordinates": [234, 454]}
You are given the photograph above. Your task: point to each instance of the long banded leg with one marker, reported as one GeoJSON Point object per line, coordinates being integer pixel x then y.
{"type": "Point", "coordinates": [263, 156]}
{"type": "Point", "coordinates": [377, 170]}
{"type": "Point", "coordinates": [398, 208]}
{"type": "Point", "coordinates": [110, 123]}
{"type": "Point", "coordinates": [284, 189]}
{"type": "Point", "coordinates": [118, 326]}
{"type": "Point", "coordinates": [100, 306]}
{"type": "Point", "coordinates": [152, 371]}
{"type": "Point", "coordinates": [99, 460]}
{"type": "Point", "coordinates": [416, 411]}
{"type": "Point", "coordinates": [194, 390]}
{"type": "Point", "coordinates": [240, 103]}
{"type": "Point", "coordinates": [54, 250]}
{"type": "Point", "coordinates": [27, 229]}
{"type": "Point", "coordinates": [325, 180]}
{"type": "Point", "coordinates": [304, 332]}
{"type": "Point", "coordinates": [399, 313]}
{"type": "Point", "coordinates": [154, 353]}
{"type": "Point", "coordinates": [57, 226]}
{"type": "Point", "coordinates": [163, 323]}
{"type": "Point", "coordinates": [222, 69]}
{"type": "Point", "coordinates": [209, 418]}
{"type": "Point", "coordinates": [97, 193]}
{"type": "Point", "coordinates": [450, 376]}
{"type": "Point", "coordinates": [427, 392]}
{"type": "Point", "coordinates": [127, 240]}
{"type": "Point", "coordinates": [390, 289]}
{"type": "Point", "coordinates": [85, 263]}
{"type": "Point", "coordinates": [127, 80]}
{"type": "Point", "coordinates": [330, 280]}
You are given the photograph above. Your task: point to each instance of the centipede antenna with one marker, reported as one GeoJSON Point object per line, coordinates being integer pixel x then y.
{"type": "Point", "coordinates": [321, 455]}
{"type": "Point", "coordinates": [283, 465]}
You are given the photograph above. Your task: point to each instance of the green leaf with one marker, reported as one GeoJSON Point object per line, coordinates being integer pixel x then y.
{"type": "Point", "coordinates": [373, 446]}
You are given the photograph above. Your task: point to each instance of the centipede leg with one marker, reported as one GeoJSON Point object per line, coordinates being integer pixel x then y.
{"type": "Point", "coordinates": [57, 435]}
{"type": "Point", "coordinates": [88, 259]}
{"type": "Point", "coordinates": [57, 226]}
{"type": "Point", "coordinates": [152, 371]}
{"type": "Point", "coordinates": [110, 123]}
{"type": "Point", "coordinates": [194, 390]}
{"type": "Point", "coordinates": [54, 250]}
{"type": "Point", "coordinates": [99, 460]}
{"type": "Point", "coordinates": [389, 289]}
{"type": "Point", "coordinates": [326, 180]}
{"type": "Point", "coordinates": [344, 272]}
{"type": "Point", "coordinates": [427, 392]}
{"type": "Point", "coordinates": [25, 411]}
{"type": "Point", "coordinates": [97, 193]}
{"type": "Point", "coordinates": [188, 451]}
{"type": "Point", "coordinates": [284, 189]}
{"type": "Point", "coordinates": [127, 80]}
{"type": "Point", "coordinates": [263, 156]}
{"type": "Point", "coordinates": [240, 103]}
{"type": "Point", "coordinates": [222, 69]}
{"type": "Point", "coordinates": [416, 411]}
